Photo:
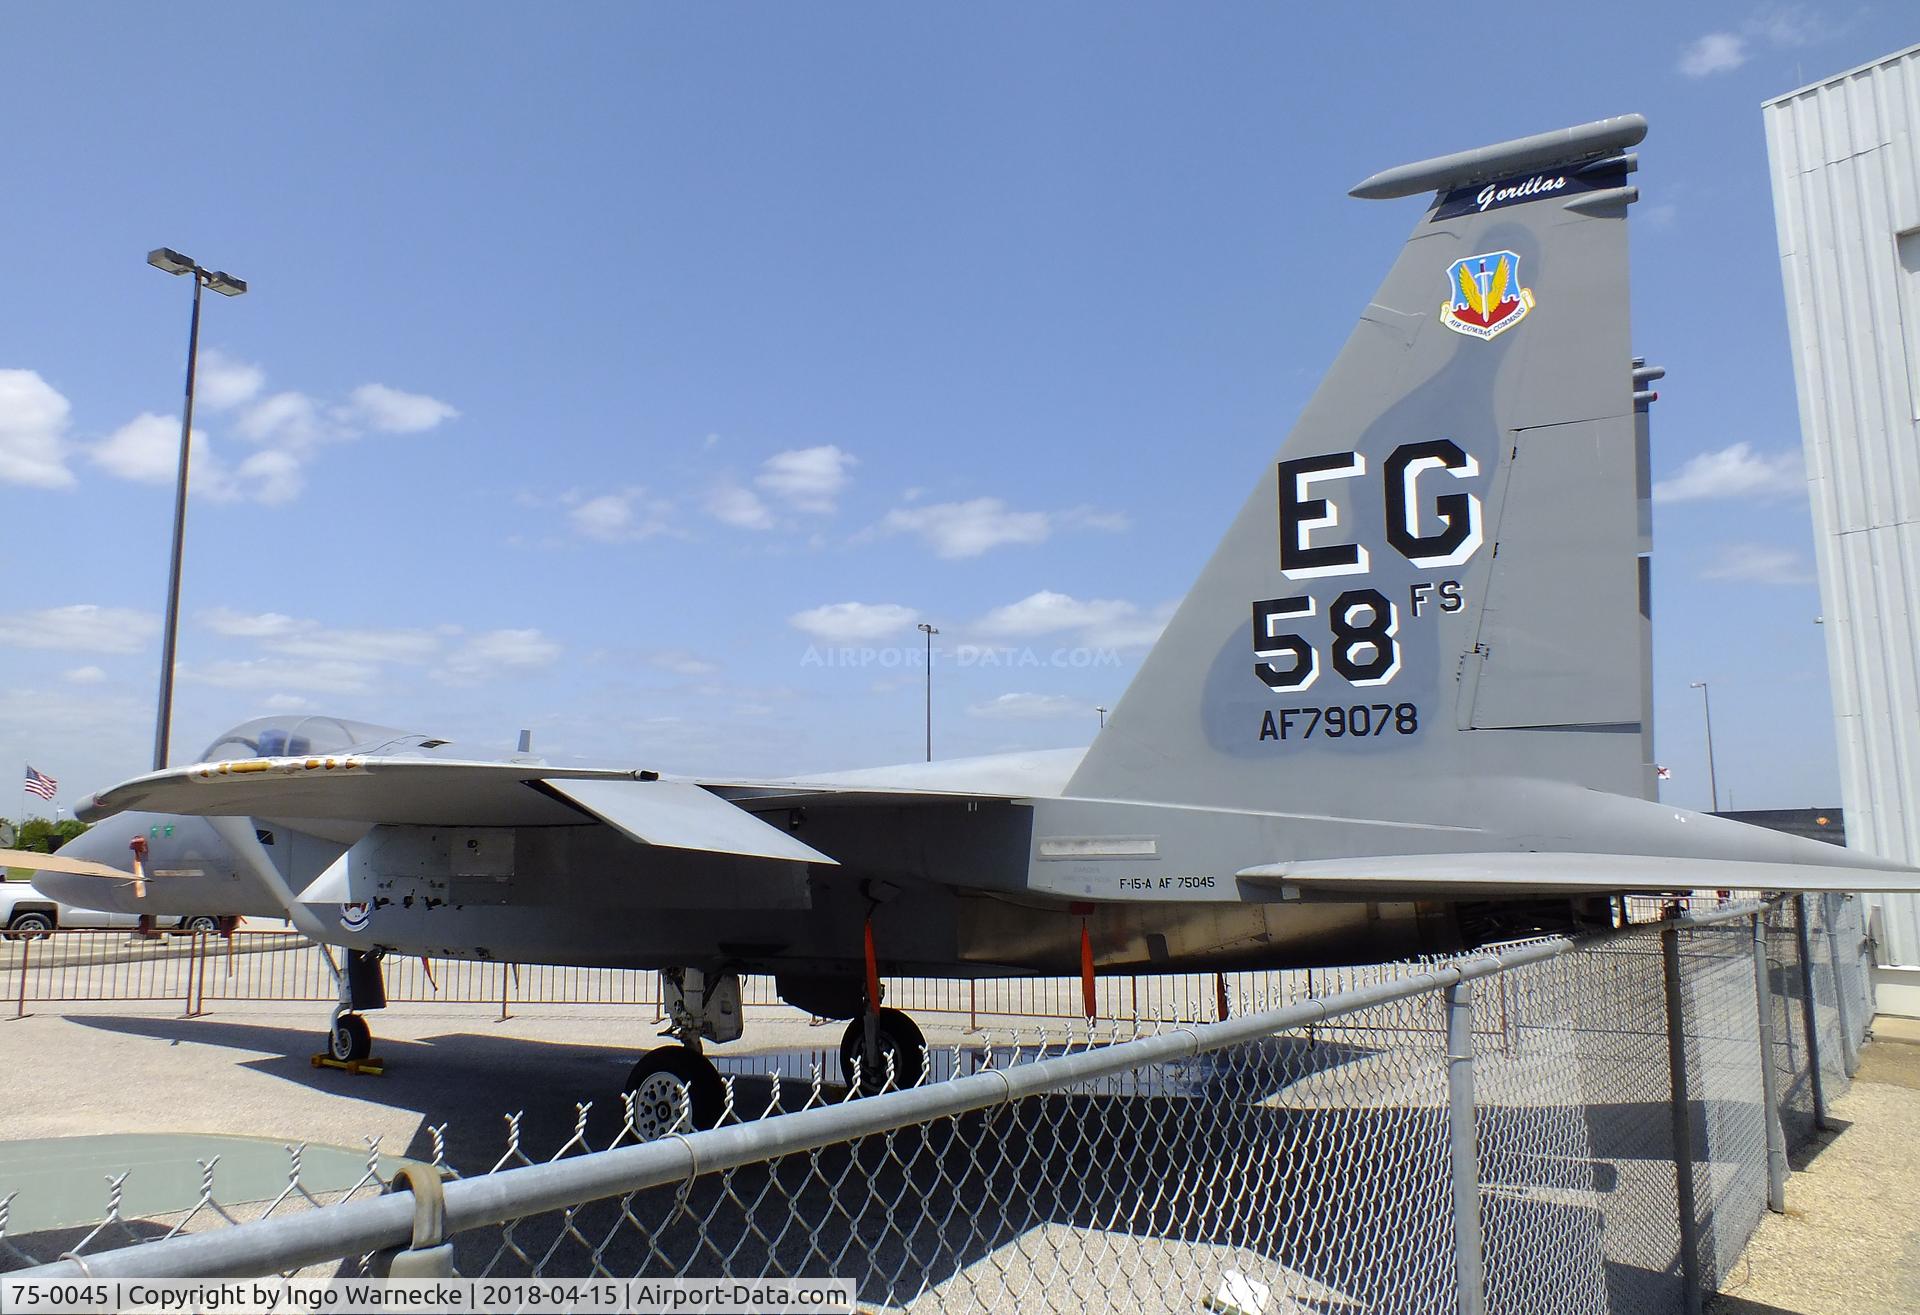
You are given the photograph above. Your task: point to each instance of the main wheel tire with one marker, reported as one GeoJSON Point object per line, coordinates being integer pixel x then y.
{"type": "Point", "coordinates": [204, 924]}
{"type": "Point", "coordinates": [30, 924]}
{"type": "Point", "coordinates": [673, 1087]}
{"type": "Point", "coordinates": [900, 1040]}
{"type": "Point", "coordinates": [351, 1039]}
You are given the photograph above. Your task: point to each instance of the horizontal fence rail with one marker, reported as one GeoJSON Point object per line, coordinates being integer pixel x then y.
{"type": "Point", "coordinates": [1591, 1126]}
{"type": "Point", "coordinates": [202, 969]}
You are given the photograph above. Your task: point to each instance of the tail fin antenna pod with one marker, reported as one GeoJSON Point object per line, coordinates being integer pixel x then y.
{"type": "Point", "coordinates": [1444, 172]}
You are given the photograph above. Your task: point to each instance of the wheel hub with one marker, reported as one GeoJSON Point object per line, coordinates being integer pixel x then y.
{"type": "Point", "coordinates": [660, 1104]}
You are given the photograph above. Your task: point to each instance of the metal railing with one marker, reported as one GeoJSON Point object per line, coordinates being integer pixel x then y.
{"type": "Point", "coordinates": [1551, 1127]}
{"type": "Point", "coordinates": [200, 969]}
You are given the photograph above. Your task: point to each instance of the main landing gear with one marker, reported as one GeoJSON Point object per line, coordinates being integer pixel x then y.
{"type": "Point", "coordinates": [362, 987]}
{"type": "Point", "coordinates": [676, 1088]}
{"type": "Point", "coordinates": [888, 1048]}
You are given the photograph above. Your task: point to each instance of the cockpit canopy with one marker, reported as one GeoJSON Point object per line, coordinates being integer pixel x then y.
{"type": "Point", "coordinates": [296, 736]}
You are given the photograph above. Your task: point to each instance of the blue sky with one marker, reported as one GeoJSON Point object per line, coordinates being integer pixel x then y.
{"type": "Point", "coordinates": [597, 357]}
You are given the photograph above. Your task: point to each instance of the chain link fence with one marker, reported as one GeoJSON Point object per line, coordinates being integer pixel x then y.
{"type": "Point", "coordinates": [1546, 1127]}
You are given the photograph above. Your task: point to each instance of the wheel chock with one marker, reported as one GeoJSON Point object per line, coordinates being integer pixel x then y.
{"type": "Point", "coordinates": [372, 1067]}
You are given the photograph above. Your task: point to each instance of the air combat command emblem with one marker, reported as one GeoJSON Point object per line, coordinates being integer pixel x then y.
{"type": "Point", "coordinates": [1484, 296]}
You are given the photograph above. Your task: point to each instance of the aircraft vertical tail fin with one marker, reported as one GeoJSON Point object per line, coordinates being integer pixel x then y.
{"type": "Point", "coordinates": [1441, 575]}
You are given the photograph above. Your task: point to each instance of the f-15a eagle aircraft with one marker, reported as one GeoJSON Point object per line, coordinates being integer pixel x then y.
{"type": "Point", "coordinates": [1405, 709]}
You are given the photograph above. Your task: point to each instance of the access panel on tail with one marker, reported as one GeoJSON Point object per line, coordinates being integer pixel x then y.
{"type": "Point", "coordinates": [1437, 578]}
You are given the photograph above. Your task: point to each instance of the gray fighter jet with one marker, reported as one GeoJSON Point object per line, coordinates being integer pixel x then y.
{"type": "Point", "coordinates": [1405, 709]}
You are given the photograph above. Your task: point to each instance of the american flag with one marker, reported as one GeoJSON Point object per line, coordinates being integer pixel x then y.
{"type": "Point", "coordinates": [41, 784]}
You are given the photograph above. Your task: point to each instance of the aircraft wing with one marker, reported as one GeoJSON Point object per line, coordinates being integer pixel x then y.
{"type": "Point", "coordinates": [1508, 875]}
{"type": "Point", "coordinates": [676, 814]}
{"type": "Point", "coordinates": [26, 858]}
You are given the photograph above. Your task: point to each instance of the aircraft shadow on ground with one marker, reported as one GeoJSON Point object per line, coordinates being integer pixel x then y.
{"type": "Point", "coordinates": [1198, 1155]}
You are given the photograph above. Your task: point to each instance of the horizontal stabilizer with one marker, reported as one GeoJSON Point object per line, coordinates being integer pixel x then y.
{"type": "Point", "coordinates": [1493, 876]}
{"type": "Point", "coordinates": [681, 815]}
{"type": "Point", "coordinates": [79, 867]}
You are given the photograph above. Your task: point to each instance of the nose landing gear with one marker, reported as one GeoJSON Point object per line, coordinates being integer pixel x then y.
{"type": "Point", "coordinates": [362, 987]}
{"type": "Point", "coordinates": [676, 1088]}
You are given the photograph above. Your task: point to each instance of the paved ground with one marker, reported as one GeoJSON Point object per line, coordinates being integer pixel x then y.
{"type": "Point", "coordinates": [246, 1068]}
{"type": "Point", "coordinates": [1849, 1243]}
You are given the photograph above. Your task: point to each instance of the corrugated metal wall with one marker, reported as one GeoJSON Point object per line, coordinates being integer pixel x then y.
{"type": "Point", "coordinates": [1846, 197]}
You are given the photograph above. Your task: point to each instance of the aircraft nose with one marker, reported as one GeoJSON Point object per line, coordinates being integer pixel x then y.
{"type": "Point", "coordinates": [105, 843]}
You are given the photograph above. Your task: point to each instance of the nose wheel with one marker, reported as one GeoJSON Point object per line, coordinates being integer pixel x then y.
{"type": "Point", "coordinates": [675, 1089]}
{"type": "Point", "coordinates": [350, 1039]}
{"type": "Point", "coordinates": [897, 1060]}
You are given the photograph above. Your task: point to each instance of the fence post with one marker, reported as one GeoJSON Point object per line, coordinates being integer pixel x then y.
{"type": "Point", "coordinates": [26, 952]}
{"type": "Point", "coordinates": [1769, 1080]}
{"type": "Point", "coordinates": [503, 992]}
{"type": "Point", "coordinates": [1469, 1266]}
{"type": "Point", "coordinates": [1682, 1123]}
{"type": "Point", "coordinates": [1809, 1014]}
{"type": "Point", "coordinates": [186, 986]}
{"type": "Point", "coordinates": [200, 978]}
{"type": "Point", "coordinates": [1849, 1053]}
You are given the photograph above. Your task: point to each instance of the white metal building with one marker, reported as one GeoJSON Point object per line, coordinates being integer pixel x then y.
{"type": "Point", "coordinates": [1845, 158]}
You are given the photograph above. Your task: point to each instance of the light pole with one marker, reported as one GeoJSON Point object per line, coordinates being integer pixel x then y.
{"type": "Point", "coordinates": [929, 632]}
{"type": "Point", "coordinates": [172, 262]}
{"type": "Point", "coordinates": [1706, 704]}
{"type": "Point", "coordinates": [1103, 717]}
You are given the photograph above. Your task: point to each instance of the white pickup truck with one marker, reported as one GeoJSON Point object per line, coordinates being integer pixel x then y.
{"type": "Point", "coordinates": [24, 911]}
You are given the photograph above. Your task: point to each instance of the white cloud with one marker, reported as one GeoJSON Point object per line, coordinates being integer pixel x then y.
{"type": "Point", "coordinates": [146, 450]}
{"type": "Point", "coordinates": [301, 638]}
{"type": "Point", "coordinates": [301, 654]}
{"type": "Point", "coordinates": [1030, 707]}
{"type": "Point", "coordinates": [80, 627]}
{"type": "Point", "coordinates": [281, 673]}
{"type": "Point", "coordinates": [1786, 26]}
{"type": "Point", "coordinates": [682, 663]}
{"type": "Point", "coordinates": [270, 477]}
{"type": "Point", "coordinates": [221, 382]}
{"type": "Point", "coordinates": [33, 428]}
{"type": "Point", "coordinates": [807, 479]}
{"type": "Point", "coordinates": [742, 508]}
{"type": "Point", "coordinates": [286, 425]}
{"type": "Point", "coordinates": [1735, 472]}
{"type": "Point", "coordinates": [1092, 518]}
{"type": "Point", "coordinates": [394, 412]}
{"type": "Point", "coordinates": [360, 645]}
{"type": "Point", "coordinates": [242, 625]}
{"type": "Point", "coordinates": [967, 529]}
{"type": "Point", "coordinates": [853, 623]}
{"type": "Point", "coordinates": [619, 517]}
{"type": "Point", "coordinates": [288, 420]}
{"type": "Point", "coordinates": [287, 703]}
{"type": "Point", "coordinates": [85, 676]}
{"type": "Point", "coordinates": [501, 652]}
{"type": "Point", "coordinates": [1047, 613]}
{"type": "Point", "coordinates": [1781, 27]}
{"type": "Point", "coordinates": [1716, 52]}
{"type": "Point", "coordinates": [1099, 622]}
{"type": "Point", "coordinates": [1758, 563]}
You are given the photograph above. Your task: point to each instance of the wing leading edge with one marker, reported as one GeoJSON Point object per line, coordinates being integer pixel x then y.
{"type": "Point", "coordinates": [1430, 876]}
